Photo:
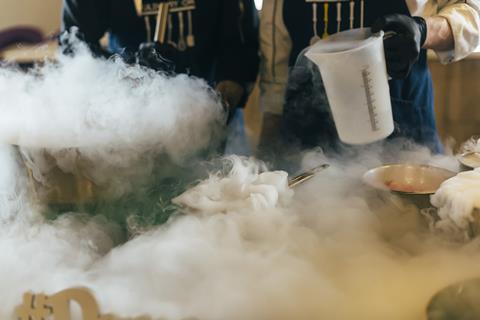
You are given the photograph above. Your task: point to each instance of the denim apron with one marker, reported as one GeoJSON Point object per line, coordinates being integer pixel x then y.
{"type": "Point", "coordinates": [307, 121]}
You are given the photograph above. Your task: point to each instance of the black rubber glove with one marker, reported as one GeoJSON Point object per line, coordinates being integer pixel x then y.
{"type": "Point", "coordinates": [403, 47]}
{"type": "Point", "coordinates": [151, 55]}
{"type": "Point", "coordinates": [155, 56]}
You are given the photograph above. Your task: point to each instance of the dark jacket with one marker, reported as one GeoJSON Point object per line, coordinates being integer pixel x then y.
{"type": "Point", "coordinates": [225, 31]}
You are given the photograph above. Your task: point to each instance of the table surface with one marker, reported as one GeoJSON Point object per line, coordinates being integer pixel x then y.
{"type": "Point", "coordinates": [23, 53]}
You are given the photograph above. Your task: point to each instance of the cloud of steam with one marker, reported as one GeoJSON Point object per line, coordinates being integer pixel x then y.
{"type": "Point", "coordinates": [335, 250]}
{"type": "Point", "coordinates": [85, 102]}
{"type": "Point", "coordinates": [331, 249]}
{"type": "Point", "coordinates": [103, 117]}
{"type": "Point", "coordinates": [458, 199]}
{"type": "Point", "coordinates": [245, 188]}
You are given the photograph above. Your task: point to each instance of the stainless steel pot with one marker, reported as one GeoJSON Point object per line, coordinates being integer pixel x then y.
{"type": "Point", "coordinates": [56, 187]}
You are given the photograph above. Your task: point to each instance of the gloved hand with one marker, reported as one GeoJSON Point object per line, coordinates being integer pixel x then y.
{"type": "Point", "coordinates": [403, 48]}
{"type": "Point", "coordinates": [155, 56]}
{"type": "Point", "coordinates": [232, 94]}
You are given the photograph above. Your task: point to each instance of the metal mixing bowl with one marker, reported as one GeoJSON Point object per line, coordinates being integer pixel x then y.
{"type": "Point", "coordinates": [60, 188]}
{"type": "Point", "coordinates": [411, 181]}
{"type": "Point", "coordinates": [56, 187]}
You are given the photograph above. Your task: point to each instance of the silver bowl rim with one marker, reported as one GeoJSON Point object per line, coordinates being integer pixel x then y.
{"type": "Point", "coordinates": [462, 159]}
{"type": "Point", "coordinates": [386, 166]}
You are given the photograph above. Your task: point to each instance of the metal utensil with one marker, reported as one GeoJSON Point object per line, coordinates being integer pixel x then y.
{"type": "Point", "coordinates": [170, 31]}
{"type": "Point", "coordinates": [339, 16]}
{"type": "Point", "coordinates": [161, 23]}
{"type": "Point", "coordinates": [362, 13]}
{"type": "Point", "coordinates": [190, 36]}
{"type": "Point", "coordinates": [182, 44]}
{"type": "Point", "coordinates": [303, 177]}
{"type": "Point", "coordinates": [352, 13]}
{"type": "Point", "coordinates": [325, 20]}
{"type": "Point", "coordinates": [315, 37]}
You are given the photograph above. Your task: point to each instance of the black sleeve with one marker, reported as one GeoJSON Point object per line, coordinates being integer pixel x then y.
{"type": "Point", "coordinates": [90, 16]}
{"type": "Point", "coordinates": [238, 48]}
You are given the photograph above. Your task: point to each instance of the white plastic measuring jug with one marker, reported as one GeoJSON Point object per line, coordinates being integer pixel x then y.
{"type": "Point", "coordinates": [353, 69]}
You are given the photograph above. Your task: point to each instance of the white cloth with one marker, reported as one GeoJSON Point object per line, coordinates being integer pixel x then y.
{"type": "Point", "coordinates": [275, 43]}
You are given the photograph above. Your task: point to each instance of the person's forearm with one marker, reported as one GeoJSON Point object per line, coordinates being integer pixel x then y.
{"type": "Point", "coordinates": [439, 34]}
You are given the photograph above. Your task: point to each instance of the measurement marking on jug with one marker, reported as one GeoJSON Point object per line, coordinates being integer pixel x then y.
{"type": "Point", "coordinates": [372, 110]}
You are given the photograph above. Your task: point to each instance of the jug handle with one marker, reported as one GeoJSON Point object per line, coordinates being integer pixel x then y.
{"type": "Point", "coordinates": [386, 36]}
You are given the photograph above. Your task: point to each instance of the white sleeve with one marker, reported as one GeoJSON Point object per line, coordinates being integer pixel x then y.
{"type": "Point", "coordinates": [464, 19]}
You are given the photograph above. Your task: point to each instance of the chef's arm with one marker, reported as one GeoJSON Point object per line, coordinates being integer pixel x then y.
{"type": "Point", "coordinates": [439, 34]}
{"type": "Point", "coordinates": [238, 58]}
{"type": "Point", "coordinates": [89, 16]}
{"type": "Point", "coordinates": [453, 32]}
{"type": "Point", "coordinates": [463, 18]}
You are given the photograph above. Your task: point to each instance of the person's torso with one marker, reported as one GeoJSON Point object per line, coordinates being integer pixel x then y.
{"type": "Point", "coordinates": [192, 34]}
{"type": "Point", "coordinates": [305, 19]}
